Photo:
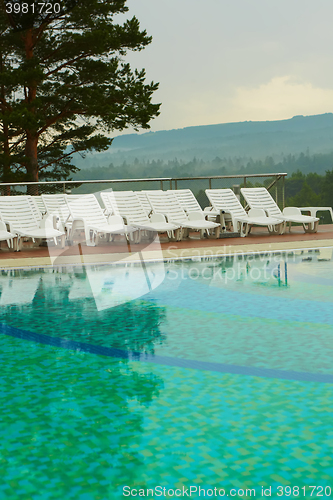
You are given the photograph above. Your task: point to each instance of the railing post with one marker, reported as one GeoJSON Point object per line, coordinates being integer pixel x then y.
{"type": "Point", "coordinates": [245, 182]}
{"type": "Point", "coordinates": [64, 187]}
{"type": "Point", "coordinates": [283, 188]}
{"type": "Point", "coordinates": [210, 183]}
{"type": "Point", "coordinates": [161, 183]}
{"type": "Point", "coordinates": [276, 191]}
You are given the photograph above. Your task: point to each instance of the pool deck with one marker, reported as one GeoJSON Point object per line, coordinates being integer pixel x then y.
{"type": "Point", "coordinates": [259, 241]}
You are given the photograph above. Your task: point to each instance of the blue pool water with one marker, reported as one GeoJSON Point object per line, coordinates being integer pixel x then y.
{"type": "Point", "coordinates": [214, 373]}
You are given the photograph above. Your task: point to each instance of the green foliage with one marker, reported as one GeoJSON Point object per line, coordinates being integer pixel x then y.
{"type": "Point", "coordinates": [64, 86]}
{"type": "Point", "coordinates": [327, 189]}
{"type": "Point", "coordinates": [305, 197]}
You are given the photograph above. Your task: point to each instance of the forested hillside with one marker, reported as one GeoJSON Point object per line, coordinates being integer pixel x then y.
{"type": "Point", "coordinates": [302, 147]}
{"type": "Point", "coordinates": [304, 162]}
{"type": "Point", "coordinates": [245, 140]}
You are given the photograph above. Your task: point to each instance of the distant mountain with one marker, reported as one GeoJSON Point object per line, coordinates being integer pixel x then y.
{"type": "Point", "coordinates": [254, 140]}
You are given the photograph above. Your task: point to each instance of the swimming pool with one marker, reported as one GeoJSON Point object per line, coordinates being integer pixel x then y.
{"type": "Point", "coordinates": [220, 377]}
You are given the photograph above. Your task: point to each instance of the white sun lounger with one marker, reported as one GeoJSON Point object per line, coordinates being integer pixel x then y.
{"type": "Point", "coordinates": [166, 203]}
{"type": "Point", "coordinates": [190, 204]}
{"type": "Point", "coordinates": [87, 215]}
{"type": "Point", "coordinates": [128, 205]}
{"type": "Point", "coordinates": [227, 202]}
{"type": "Point", "coordinates": [25, 221]}
{"type": "Point", "coordinates": [261, 198]}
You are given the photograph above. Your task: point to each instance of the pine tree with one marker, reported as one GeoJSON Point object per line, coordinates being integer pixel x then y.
{"type": "Point", "coordinates": [64, 84]}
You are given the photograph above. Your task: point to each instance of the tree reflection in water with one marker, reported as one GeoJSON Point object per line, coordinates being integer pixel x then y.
{"type": "Point", "coordinates": [78, 414]}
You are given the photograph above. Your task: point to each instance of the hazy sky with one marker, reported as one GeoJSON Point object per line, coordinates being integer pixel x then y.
{"type": "Point", "coordinates": [222, 61]}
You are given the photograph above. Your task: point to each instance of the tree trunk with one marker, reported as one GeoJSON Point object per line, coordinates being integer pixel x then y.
{"type": "Point", "coordinates": [6, 150]}
{"type": "Point", "coordinates": [32, 137]}
{"type": "Point", "coordinates": [32, 163]}
{"type": "Point", "coordinates": [6, 174]}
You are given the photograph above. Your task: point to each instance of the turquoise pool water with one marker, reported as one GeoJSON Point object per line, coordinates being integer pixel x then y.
{"type": "Point", "coordinates": [220, 377]}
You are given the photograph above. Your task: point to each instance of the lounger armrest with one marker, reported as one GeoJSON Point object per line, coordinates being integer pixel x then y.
{"type": "Point", "coordinates": [9, 226]}
{"type": "Point", "coordinates": [126, 218]}
{"type": "Point", "coordinates": [115, 219]}
{"type": "Point", "coordinates": [292, 211]}
{"type": "Point", "coordinates": [78, 223]}
{"type": "Point", "coordinates": [196, 216]}
{"type": "Point", "coordinates": [3, 226]}
{"type": "Point", "coordinates": [225, 214]}
{"type": "Point", "coordinates": [49, 221]}
{"type": "Point", "coordinates": [157, 218]}
{"type": "Point", "coordinates": [256, 212]}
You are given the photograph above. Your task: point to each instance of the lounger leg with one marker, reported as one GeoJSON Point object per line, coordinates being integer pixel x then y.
{"type": "Point", "coordinates": [151, 235]}
{"type": "Point", "coordinates": [172, 235]}
{"type": "Point", "coordinates": [135, 237]}
{"type": "Point", "coordinates": [90, 239]}
{"type": "Point", "coordinates": [244, 232]}
{"type": "Point", "coordinates": [177, 234]}
{"type": "Point", "coordinates": [312, 227]}
{"type": "Point", "coordinates": [17, 244]}
{"type": "Point", "coordinates": [277, 229]}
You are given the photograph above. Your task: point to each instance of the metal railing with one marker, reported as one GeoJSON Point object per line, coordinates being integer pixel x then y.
{"type": "Point", "coordinates": [197, 184]}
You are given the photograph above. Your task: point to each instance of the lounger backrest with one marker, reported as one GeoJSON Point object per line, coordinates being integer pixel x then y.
{"type": "Point", "coordinates": [261, 198]}
{"type": "Point", "coordinates": [126, 204]}
{"type": "Point", "coordinates": [225, 199]}
{"type": "Point", "coordinates": [142, 195]}
{"type": "Point", "coordinates": [71, 197]}
{"type": "Point", "coordinates": [87, 207]}
{"type": "Point", "coordinates": [108, 202]}
{"type": "Point", "coordinates": [187, 200]}
{"type": "Point", "coordinates": [56, 204]}
{"type": "Point", "coordinates": [20, 211]}
{"type": "Point", "coordinates": [166, 203]}
{"type": "Point", "coordinates": [40, 204]}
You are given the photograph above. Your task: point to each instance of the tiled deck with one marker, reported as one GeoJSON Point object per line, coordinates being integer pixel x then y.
{"type": "Point", "coordinates": [258, 241]}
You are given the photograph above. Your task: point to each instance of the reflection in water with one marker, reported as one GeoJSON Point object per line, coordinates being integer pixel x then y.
{"type": "Point", "coordinates": [66, 305]}
{"type": "Point", "coordinates": [227, 271]}
{"type": "Point", "coordinates": [123, 284]}
{"type": "Point", "coordinates": [81, 419]}
{"type": "Point", "coordinates": [79, 414]}
{"type": "Point", "coordinates": [17, 288]}
{"type": "Point", "coordinates": [71, 420]}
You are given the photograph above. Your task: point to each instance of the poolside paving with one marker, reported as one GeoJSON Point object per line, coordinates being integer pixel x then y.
{"type": "Point", "coordinates": [118, 251]}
